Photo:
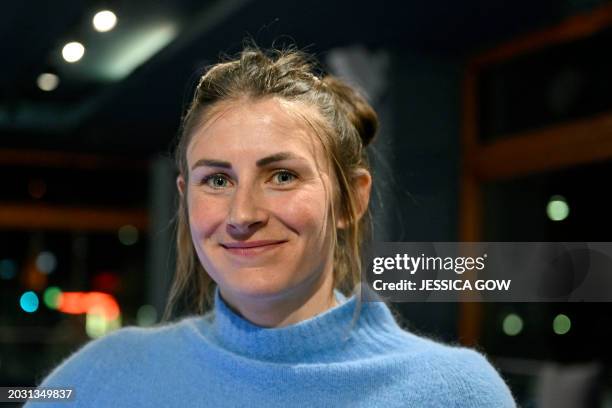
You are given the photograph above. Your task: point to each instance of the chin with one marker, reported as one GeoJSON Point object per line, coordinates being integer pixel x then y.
{"type": "Point", "coordinates": [264, 287]}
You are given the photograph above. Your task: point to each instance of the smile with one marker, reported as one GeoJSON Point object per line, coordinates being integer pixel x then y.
{"type": "Point", "coordinates": [249, 249]}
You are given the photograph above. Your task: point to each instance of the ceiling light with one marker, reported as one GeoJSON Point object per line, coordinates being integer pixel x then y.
{"type": "Point", "coordinates": [73, 51]}
{"type": "Point", "coordinates": [47, 82]}
{"type": "Point", "coordinates": [136, 48]}
{"type": "Point", "coordinates": [104, 21]}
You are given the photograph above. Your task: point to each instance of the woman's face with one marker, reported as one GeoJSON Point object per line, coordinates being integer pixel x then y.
{"type": "Point", "coordinates": [258, 197]}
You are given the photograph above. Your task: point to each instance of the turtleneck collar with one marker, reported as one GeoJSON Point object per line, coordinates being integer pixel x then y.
{"type": "Point", "coordinates": [331, 329]}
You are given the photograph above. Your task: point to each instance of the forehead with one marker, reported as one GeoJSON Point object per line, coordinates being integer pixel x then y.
{"type": "Point", "coordinates": [247, 127]}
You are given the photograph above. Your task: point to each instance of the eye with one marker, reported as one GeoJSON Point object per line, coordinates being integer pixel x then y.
{"type": "Point", "coordinates": [216, 181]}
{"type": "Point", "coordinates": [283, 177]}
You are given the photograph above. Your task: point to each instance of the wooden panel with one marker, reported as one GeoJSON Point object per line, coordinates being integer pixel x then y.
{"type": "Point", "coordinates": [555, 147]}
{"type": "Point", "coordinates": [573, 28]}
{"type": "Point", "coordinates": [536, 151]}
{"type": "Point", "coordinates": [84, 161]}
{"type": "Point", "coordinates": [32, 217]}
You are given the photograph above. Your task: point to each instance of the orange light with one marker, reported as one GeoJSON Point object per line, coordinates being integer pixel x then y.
{"type": "Point", "coordinates": [86, 302]}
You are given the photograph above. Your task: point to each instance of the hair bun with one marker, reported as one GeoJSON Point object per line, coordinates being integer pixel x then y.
{"type": "Point", "coordinates": [357, 109]}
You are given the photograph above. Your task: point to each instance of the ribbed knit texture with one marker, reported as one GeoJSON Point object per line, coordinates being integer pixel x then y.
{"type": "Point", "coordinates": [348, 356]}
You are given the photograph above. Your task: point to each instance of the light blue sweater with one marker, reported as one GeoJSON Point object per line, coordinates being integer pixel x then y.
{"type": "Point", "coordinates": [330, 360]}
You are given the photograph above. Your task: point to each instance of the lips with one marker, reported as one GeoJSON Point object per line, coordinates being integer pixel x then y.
{"type": "Point", "coordinates": [252, 248]}
{"type": "Point", "coordinates": [251, 244]}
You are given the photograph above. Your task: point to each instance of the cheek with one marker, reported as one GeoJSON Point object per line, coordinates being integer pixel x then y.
{"type": "Point", "coordinates": [304, 212]}
{"type": "Point", "coordinates": [205, 215]}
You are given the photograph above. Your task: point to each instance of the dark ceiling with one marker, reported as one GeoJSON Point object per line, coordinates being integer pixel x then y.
{"type": "Point", "coordinates": [96, 109]}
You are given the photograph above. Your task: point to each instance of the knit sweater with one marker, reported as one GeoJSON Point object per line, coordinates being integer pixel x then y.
{"type": "Point", "coordinates": [354, 354]}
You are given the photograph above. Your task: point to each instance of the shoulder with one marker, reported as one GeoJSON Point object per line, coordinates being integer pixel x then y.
{"type": "Point", "coordinates": [101, 353]}
{"type": "Point", "coordinates": [464, 376]}
{"type": "Point", "coordinates": [119, 357]}
{"type": "Point", "coordinates": [433, 373]}
{"type": "Point", "coordinates": [130, 339]}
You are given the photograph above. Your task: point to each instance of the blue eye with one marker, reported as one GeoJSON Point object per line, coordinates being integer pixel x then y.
{"type": "Point", "coordinates": [284, 177]}
{"type": "Point", "coordinates": [216, 181]}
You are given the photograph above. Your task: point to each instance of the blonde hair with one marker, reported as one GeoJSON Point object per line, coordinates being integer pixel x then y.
{"type": "Point", "coordinates": [348, 125]}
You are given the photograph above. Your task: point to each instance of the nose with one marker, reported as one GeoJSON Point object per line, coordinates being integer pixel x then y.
{"type": "Point", "coordinates": [245, 214]}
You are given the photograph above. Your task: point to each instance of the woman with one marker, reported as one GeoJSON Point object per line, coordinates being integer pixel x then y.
{"type": "Point", "coordinates": [274, 188]}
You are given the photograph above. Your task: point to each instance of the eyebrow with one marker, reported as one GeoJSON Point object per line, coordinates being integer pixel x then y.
{"type": "Point", "coordinates": [259, 163]}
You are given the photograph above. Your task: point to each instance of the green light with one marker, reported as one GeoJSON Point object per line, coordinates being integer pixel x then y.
{"type": "Point", "coordinates": [146, 315]}
{"type": "Point", "coordinates": [96, 325]}
{"type": "Point", "coordinates": [512, 325]}
{"type": "Point", "coordinates": [557, 208]}
{"type": "Point", "coordinates": [128, 235]}
{"type": "Point", "coordinates": [562, 324]}
{"type": "Point", "coordinates": [51, 297]}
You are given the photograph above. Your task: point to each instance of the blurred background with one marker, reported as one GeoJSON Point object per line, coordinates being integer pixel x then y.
{"type": "Point", "coordinates": [496, 125]}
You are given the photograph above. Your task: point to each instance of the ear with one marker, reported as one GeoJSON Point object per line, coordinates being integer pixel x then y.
{"type": "Point", "coordinates": [180, 184]}
{"type": "Point", "coordinates": [362, 183]}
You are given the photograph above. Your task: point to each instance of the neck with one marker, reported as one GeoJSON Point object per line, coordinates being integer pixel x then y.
{"type": "Point", "coordinates": [289, 308]}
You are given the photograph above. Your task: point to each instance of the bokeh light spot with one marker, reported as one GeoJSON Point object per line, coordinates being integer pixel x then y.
{"type": "Point", "coordinates": [512, 325]}
{"type": "Point", "coordinates": [98, 325]}
{"type": "Point", "coordinates": [73, 51]}
{"type": "Point", "coordinates": [29, 302]}
{"type": "Point", "coordinates": [146, 315]}
{"type": "Point", "coordinates": [104, 21]}
{"type": "Point", "coordinates": [8, 269]}
{"type": "Point", "coordinates": [557, 208]}
{"type": "Point", "coordinates": [47, 81]}
{"type": "Point", "coordinates": [46, 262]}
{"type": "Point", "coordinates": [51, 297]}
{"type": "Point", "coordinates": [128, 235]}
{"type": "Point", "coordinates": [561, 324]}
